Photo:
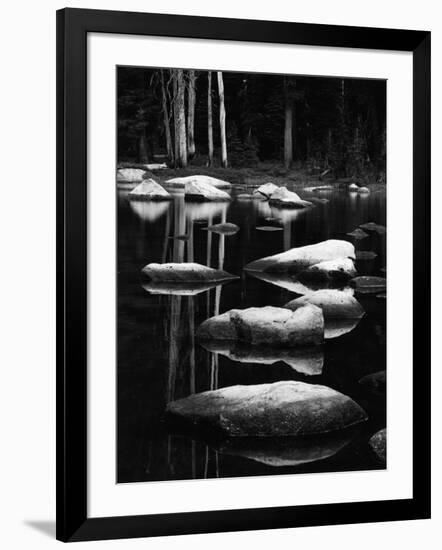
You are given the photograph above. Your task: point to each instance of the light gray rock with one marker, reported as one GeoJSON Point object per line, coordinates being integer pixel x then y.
{"type": "Point", "coordinates": [199, 180]}
{"type": "Point", "coordinates": [286, 408]}
{"type": "Point", "coordinates": [149, 190]}
{"type": "Point", "coordinates": [185, 273]}
{"type": "Point", "coordinates": [333, 271]}
{"type": "Point", "coordinates": [272, 326]}
{"type": "Point", "coordinates": [130, 175]}
{"type": "Point", "coordinates": [283, 198]}
{"type": "Point", "coordinates": [369, 285]}
{"type": "Point", "coordinates": [298, 259]}
{"type": "Point", "coordinates": [363, 190]}
{"type": "Point", "coordinates": [341, 310]}
{"type": "Point", "coordinates": [308, 361]}
{"type": "Point", "coordinates": [199, 191]}
{"type": "Point", "coordinates": [224, 228]}
{"type": "Point", "coordinates": [353, 187]}
{"type": "Point", "coordinates": [156, 166]}
{"type": "Point", "coordinates": [378, 444]}
{"type": "Point", "coordinates": [266, 190]}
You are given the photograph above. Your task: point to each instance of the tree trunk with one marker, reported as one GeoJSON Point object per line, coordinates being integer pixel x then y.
{"type": "Point", "coordinates": [166, 119]}
{"type": "Point", "coordinates": [180, 119]}
{"type": "Point", "coordinates": [142, 149]}
{"type": "Point", "coordinates": [191, 114]}
{"type": "Point", "coordinates": [222, 119]}
{"type": "Point", "coordinates": [288, 125]}
{"type": "Point", "coordinates": [209, 118]}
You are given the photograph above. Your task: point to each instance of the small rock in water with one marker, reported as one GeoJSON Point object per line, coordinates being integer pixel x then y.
{"type": "Point", "coordinates": [244, 196]}
{"type": "Point", "coordinates": [319, 200]}
{"type": "Point", "coordinates": [198, 191]}
{"type": "Point", "coordinates": [185, 273]}
{"type": "Point", "coordinates": [376, 383]}
{"type": "Point", "coordinates": [358, 234]}
{"type": "Point", "coordinates": [371, 226]}
{"type": "Point", "coordinates": [200, 180]}
{"type": "Point", "coordinates": [224, 228]}
{"type": "Point", "coordinates": [130, 175]}
{"type": "Point", "coordinates": [266, 190]}
{"type": "Point", "coordinates": [269, 228]}
{"type": "Point", "coordinates": [149, 190]}
{"type": "Point", "coordinates": [363, 190]}
{"type": "Point", "coordinates": [378, 444]}
{"type": "Point", "coordinates": [383, 270]}
{"type": "Point", "coordinates": [353, 187]}
{"type": "Point", "coordinates": [382, 295]}
{"type": "Point", "coordinates": [272, 326]}
{"type": "Point", "coordinates": [365, 255]}
{"type": "Point", "coordinates": [286, 408]}
{"type": "Point", "coordinates": [283, 198]}
{"type": "Point", "coordinates": [337, 271]}
{"type": "Point", "coordinates": [369, 285]}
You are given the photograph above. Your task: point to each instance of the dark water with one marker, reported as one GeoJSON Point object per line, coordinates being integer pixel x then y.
{"type": "Point", "coordinates": [159, 359]}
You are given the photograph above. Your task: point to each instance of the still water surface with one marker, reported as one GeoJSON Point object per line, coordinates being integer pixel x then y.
{"type": "Point", "coordinates": [159, 359]}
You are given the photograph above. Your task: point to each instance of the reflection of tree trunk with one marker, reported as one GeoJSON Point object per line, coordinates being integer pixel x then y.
{"type": "Point", "coordinates": [166, 119]}
{"type": "Point", "coordinates": [287, 235]}
{"type": "Point", "coordinates": [166, 237]}
{"type": "Point", "coordinates": [209, 118]}
{"type": "Point", "coordinates": [222, 119]}
{"type": "Point", "coordinates": [191, 114]}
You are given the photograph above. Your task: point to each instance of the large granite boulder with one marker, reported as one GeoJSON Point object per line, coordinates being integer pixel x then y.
{"type": "Point", "coordinates": [299, 259]}
{"type": "Point", "coordinates": [185, 273]}
{"type": "Point", "coordinates": [283, 198]}
{"type": "Point", "coordinates": [130, 175]}
{"type": "Point", "coordinates": [199, 191]}
{"type": "Point", "coordinates": [149, 190]}
{"type": "Point", "coordinates": [378, 444]}
{"type": "Point", "coordinates": [199, 180]}
{"type": "Point", "coordinates": [286, 408]}
{"type": "Point", "coordinates": [341, 310]}
{"type": "Point", "coordinates": [331, 271]}
{"type": "Point", "coordinates": [266, 190]}
{"type": "Point", "coordinates": [271, 326]}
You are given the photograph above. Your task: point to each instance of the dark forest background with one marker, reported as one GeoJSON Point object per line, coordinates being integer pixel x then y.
{"type": "Point", "coordinates": [322, 125]}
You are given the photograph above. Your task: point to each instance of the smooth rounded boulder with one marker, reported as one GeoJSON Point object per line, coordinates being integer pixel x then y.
{"type": "Point", "coordinates": [185, 273]}
{"type": "Point", "coordinates": [130, 175]}
{"type": "Point", "coordinates": [149, 190]}
{"type": "Point", "coordinates": [266, 190]}
{"type": "Point", "coordinates": [298, 259]}
{"type": "Point", "coordinates": [271, 326]}
{"type": "Point", "coordinates": [283, 198]}
{"type": "Point", "coordinates": [198, 191]}
{"type": "Point", "coordinates": [287, 408]}
{"type": "Point", "coordinates": [199, 180]}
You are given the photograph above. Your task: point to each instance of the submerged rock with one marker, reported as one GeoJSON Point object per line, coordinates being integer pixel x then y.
{"type": "Point", "coordinates": [365, 255]}
{"type": "Point", "coordinates": [283, 198]}
{"type": "Point", "coordinates": [270, 410]}
{"type": "Point", "coordinates": [376, 382]}
{"type": "Point", "coordinates": [287, 451]}
{"type": "Point", "coordinates": [199, 180]}
{"type": "Point", "coordinates": [341, 310]}
{"type": "Point", "coordinates": [130, 175]}
{"type": "Point", "coordinates": [307, 361]}
{"type": "Point", "coordinates": [185, 273]}
{"type": "Point", "coordinates": [358, 234]}
{"type": "Point", "coordinates": [224, 228]}
{"type": "Point", "coordinates": [369, 285]}
{"type": "Point", "coordinates": [266, 190]}
{"type": "Point", "coordinates": [272, 326]}
{"type": "Point", "coordinates": [298, 259]}
{"type": "Point", "coordinates": [333, 271]}
{"type": "Point", "coordinates": [371, 226]}
{"type": "Point", "coordinates": [201, 192]}
{"type": "Point", "coordinates": [150, 190]}
{"type": "Point", "coordinates": [378, 444]}
{"type": "Point", "coordinates": [269, 228]}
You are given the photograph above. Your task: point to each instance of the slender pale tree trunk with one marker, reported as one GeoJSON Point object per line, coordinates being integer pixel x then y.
{"type": "Point", "coordinates": [180, 119]}
{"type": "Point", "coordinates": [222, 119]}
{"type": "Point", "coordinates": [142, 148]}
{"type": "Point", "coordinates": [166, 119]}
{"type": "Point", "coordinates": [209, 118]}
{"type": "Point", "coordinates": [191, 97]}
{"type": "Point", "coordinates": [288, 126]}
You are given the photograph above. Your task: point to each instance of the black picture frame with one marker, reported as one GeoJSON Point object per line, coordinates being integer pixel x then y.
{"type": "Point", "coordinates": [73, 25]}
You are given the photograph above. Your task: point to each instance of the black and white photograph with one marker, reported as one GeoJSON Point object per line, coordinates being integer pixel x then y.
{"type": "Point", "coordinates": [251, 284]}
